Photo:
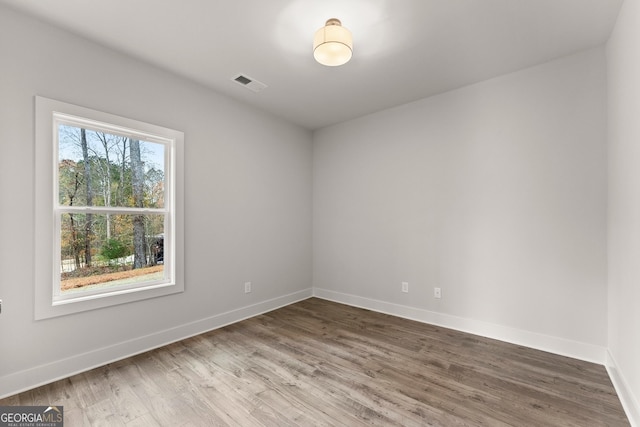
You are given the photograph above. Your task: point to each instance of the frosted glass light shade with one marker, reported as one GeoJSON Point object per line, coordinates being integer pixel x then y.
{"type": "Point", "coordinates": [332, 44]}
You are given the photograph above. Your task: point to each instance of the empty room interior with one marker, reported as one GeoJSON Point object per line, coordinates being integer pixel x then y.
{"type": "Point", "coordinates": [442, 228]}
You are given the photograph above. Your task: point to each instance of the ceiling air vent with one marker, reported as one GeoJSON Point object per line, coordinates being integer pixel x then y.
{"type": "Point", "coordinates": [250, 83]}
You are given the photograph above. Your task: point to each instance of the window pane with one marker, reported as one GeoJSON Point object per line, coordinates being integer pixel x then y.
{"type": "Point", "coordinates": [102, 169]}
{"type": "Point", "coordinates": [98, 250]}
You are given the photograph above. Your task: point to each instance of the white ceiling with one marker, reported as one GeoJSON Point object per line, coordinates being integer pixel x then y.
{"type": "Point", "coordinates": [404, 50]}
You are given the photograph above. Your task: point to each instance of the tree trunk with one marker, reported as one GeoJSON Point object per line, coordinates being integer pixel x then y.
{"type": "Point", "coordinates": [75, 245]}
{"type": "Point", "coordinates": [122, 173]}
{"type": "Point", "coordinates": [88, 228]}
{"type": "Point", "coordinates": [137, 181]}
{"type": "Point", "coordinates": [106, 177]}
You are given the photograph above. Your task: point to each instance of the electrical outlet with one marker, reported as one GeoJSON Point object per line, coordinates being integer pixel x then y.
{"type": "Point", "coordinates": [247, 287]}
{"type": "Point", "coordinates": [437, 293]}
{"type": "Point", "coordinates": [405, 286]}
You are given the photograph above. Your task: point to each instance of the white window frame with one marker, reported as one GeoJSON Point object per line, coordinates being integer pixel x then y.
{"type": "Point", "coordinates": [49, 302]}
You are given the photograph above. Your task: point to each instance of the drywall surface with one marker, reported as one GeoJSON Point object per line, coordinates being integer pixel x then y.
{"type": "Point", "coordinates": [496, 193]}
{"type": "Point", "coordinates": [247, 203]}
{"type": "Point", "coordinates": [623, 60]}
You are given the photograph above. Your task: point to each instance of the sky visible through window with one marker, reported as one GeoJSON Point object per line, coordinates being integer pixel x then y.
{"type": "Point", "coordinates": [69, 146]}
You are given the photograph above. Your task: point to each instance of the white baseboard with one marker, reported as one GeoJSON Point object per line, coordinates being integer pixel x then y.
{"type": "Point", "coordinates": [17, 382]}
{"type": "Point", "coordinates": [561, 346]}
{"type": "Point", "coordinates": [630, 403]}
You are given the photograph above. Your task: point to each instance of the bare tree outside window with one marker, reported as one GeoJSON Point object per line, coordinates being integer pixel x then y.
{"type": "Point", "coordinates": [100, 169]}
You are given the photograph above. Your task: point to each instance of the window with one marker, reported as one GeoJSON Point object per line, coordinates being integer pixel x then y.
{"type": "Point", "coordinates": [109, 229]}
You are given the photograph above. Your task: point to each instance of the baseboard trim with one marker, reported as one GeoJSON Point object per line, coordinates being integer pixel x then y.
{"type": "Point", "coordinates": [629, 402]}
{"type": "Point", "coordinates": [561, 346]}
{"type": "Point", "coordinates": [18, 382]}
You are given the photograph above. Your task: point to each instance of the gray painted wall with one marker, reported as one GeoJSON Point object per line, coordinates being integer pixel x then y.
{"type": "Point", "coordinates": [495, 192]}
{"type": "Point", "coordinates": [247, 201]}
{"type": "Point", "coordinates": [623, 59]}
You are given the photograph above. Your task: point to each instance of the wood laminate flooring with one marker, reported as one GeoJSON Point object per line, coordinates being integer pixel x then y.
{"type": "Point", "coordinates": [321, 363]}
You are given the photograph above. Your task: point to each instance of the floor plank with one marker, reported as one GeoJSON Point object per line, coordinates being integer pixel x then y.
{"type": "Point", "coordinates": [321, 363]}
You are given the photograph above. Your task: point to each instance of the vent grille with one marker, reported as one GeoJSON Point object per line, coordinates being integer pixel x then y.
{"type": "Point", "coordinates": [243, 80]}
{"type": "Point", "coordinates": [249, 82]}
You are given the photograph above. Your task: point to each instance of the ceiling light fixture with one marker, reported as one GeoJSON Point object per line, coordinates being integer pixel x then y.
{"type": "Point", "coordinates": [332, 44]}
